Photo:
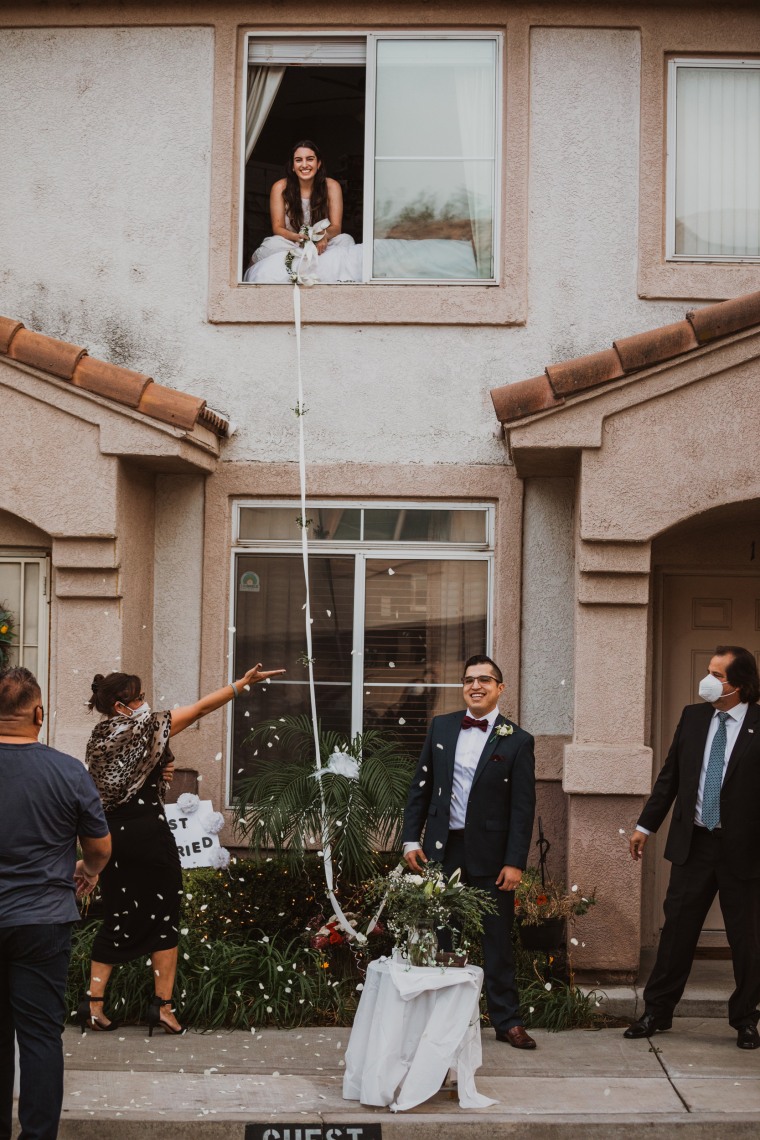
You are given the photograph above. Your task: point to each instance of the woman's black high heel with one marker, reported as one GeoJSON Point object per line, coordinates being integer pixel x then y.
{"type": "Point", "coordinates": [87, 1020]}
{"type": "Point", "coordinates": [154, 1018]}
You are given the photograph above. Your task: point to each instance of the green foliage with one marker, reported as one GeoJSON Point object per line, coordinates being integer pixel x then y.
{"type": "Point", "coordinates": [243, 923]}
{"type": "Point", "coordinates": [564, 1006]}
{"type": "Point", "coordinates": [282, 807]}
{"type": "Point", "coordinates": [226, 984]}
{"type": "Point", "coordinates": [7, 627]}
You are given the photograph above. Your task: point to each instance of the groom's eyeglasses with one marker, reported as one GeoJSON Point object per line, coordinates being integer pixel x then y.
{"type": "Point", "coordinates": [468, 682]}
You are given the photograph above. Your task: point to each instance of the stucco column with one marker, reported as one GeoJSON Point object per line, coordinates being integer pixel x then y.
{"type": "Point", "coordinates": [86, 633]}
{"type": "Point", "coordinates": [608, 767]}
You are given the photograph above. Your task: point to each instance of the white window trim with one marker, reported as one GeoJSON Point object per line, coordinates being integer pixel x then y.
{"type": "Point", "coordinates": [360, 552]}
{"type": "Point", "coordinates": [670, 160]}
{"type": "Point", "coordinates": [372, 38]}
{"type": "Point", "coordinates": [42, 673]}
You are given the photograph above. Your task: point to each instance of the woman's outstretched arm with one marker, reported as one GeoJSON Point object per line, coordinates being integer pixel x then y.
{"type": "Point", "coordinates": [182, 718]}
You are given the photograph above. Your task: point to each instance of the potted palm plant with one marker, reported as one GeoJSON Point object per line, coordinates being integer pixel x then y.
{"type": "Point", "coordinates": [354, 803]}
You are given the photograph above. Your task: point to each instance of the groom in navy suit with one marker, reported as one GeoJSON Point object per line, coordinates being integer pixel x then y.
{"type": "Point", "coordinates": [473, 796]}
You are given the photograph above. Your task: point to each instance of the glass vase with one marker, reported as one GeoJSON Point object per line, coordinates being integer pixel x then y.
{"type": "Point", "coordinates": [421, 946]}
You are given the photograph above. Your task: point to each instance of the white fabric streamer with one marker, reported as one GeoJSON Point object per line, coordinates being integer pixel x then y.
{"type": "Point", "coordinates": [349, 931]}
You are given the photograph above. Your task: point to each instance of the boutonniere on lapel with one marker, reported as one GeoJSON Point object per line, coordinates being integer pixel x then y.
{"type": "Point", "coordinates": [502, 730]}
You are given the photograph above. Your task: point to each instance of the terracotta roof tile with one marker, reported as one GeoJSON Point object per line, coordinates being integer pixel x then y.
{"type": "Point", "coordinates": [630, 354]}
{"type": "Point", "coordinates": [111, 381]}
{"type": "Point", "coordinates": [171, 406]}
{"type": "Point", "coordinates": [584, 372]}
{"type": "Point", "coordinates": [46, 353]}
{"type": "Point", "coordinates": [658, 344]}
{"type": "Point", "coordinates": [512, 401]}
{"type": "Point", "coordinates": [726, 317]}
{"type": "Point", "coordinates": [8, 329]}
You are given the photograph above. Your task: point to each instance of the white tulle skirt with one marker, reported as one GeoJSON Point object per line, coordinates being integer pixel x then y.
{"type": "Point", "coordinates": [340, 262]}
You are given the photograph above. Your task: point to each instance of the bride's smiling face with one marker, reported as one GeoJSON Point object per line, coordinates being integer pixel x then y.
{"type": "Point", "coordinates": [305, 163]}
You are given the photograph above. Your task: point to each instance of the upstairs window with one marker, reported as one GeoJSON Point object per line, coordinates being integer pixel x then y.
{"type": "Point", "coordinates": [409, 125]}
{"type": "Point", "coordinates": [713, 160]}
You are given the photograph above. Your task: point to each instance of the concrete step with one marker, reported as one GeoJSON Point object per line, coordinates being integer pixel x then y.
{"type": "Point", "coordinates": [706, 995]}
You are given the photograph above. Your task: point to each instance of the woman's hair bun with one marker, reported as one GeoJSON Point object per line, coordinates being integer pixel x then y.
{"type": "Point", "coordinates": [96, 682]}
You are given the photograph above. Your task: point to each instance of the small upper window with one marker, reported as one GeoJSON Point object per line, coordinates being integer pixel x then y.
{"type": "Point", "coordinates": [713, 160]}
{"type": "Point", "coordinates": [400, 154]}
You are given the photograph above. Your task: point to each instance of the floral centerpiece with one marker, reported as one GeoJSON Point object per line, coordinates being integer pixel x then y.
{"type": "Point", "coordinates": [417, 906]}
{"type": "Point", "coordinates": [6, 633]}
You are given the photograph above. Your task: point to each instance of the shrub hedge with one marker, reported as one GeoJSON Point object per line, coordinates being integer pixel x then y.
{"type": "Point", "coordinates": [245, 959]}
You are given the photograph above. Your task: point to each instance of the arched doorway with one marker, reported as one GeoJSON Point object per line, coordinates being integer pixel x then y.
{"type": "Point", "coordinates": [706, 593]}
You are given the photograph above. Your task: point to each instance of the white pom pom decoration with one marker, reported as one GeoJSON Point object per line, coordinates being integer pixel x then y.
{"type": "Point", "coordinates": [188, 803]}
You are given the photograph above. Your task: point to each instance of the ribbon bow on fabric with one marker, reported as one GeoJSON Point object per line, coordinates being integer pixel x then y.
{"type": "Point", "coordinates": [468, 722]}
{"type": "Point", "coordinates": [306, 260]}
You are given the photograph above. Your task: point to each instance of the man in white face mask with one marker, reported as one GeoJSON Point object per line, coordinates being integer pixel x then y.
{"type": "Point", "coordinates": [712, 774]}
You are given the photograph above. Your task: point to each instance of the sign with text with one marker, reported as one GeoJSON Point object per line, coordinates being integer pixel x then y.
{"type": "Point", "coordinates": [194, 843]}
{"type": "Point", "coordinates": [316, 1131]}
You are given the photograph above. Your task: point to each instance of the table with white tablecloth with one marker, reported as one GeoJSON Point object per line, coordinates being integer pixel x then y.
{"type": "Point", "coordinates": [414, 1024]}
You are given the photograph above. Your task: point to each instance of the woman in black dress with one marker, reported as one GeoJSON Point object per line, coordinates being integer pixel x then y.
{"type": "Point", "coordinates": [129, 758]}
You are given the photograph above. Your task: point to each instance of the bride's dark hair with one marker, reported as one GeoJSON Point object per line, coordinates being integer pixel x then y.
{"type": "Point", "coordinates": [292, 191]}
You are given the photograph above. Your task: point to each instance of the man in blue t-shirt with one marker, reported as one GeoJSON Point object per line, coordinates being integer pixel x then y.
{"type": "Point", "coordinates": [47, 802]}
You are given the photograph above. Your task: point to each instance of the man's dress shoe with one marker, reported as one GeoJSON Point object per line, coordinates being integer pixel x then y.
{"type": "Point", "coordinates": [516, 1037]}
{"type": "Point", "coordinates": [748, 1037]}
{"type": "Point", "coordinates": [647, 1025]}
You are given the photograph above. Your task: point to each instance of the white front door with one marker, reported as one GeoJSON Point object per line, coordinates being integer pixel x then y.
{"type": "Point", "coordinates": [699, 612]}
{"type": "Point", "coordinates": [24, 592]}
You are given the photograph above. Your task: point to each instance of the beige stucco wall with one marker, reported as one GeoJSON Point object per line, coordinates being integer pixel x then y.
{"type": "Point", "coordinates": [127, 273]}
{"type": "Point", "coordinates": [178, 576]}
{"type": "Point", "coordinates": [16, 532]}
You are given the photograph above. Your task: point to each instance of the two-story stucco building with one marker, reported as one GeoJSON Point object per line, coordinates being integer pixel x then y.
{"type": "Point", "coordinates": [529, 184]}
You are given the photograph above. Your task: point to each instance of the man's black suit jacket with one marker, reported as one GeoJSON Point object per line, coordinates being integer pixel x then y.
{"type": "Point", "coordinates": [739, 798]}
{"type": "Point", "coordinates": [500, 810]}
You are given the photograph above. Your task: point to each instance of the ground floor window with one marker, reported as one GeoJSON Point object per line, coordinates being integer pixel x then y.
{"type": "Point", "coordinates": [400, 597]}
{"type": "Point", "coordinates": [24, 595]}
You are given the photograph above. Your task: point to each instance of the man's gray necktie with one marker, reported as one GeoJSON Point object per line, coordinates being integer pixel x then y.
{"type": "Point", "coordinates": [714, 776]}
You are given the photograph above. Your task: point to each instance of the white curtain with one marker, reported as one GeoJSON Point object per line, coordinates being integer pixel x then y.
{"type": "Point", "coordinates": [263, 85]}
{"type": "Point", "coordinates": [474, 87]}
{"type": "Point", "coordinates": [717, 161]}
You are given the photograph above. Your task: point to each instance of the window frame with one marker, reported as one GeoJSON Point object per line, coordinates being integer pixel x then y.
{"type": "Point", "coordinates": [361, 551]}
{"type": "Point", "coordinates": [23, 557]}
{"type": "Point", "coordinates": [674, 63]}
{"type": "Point", "coordinates": [371, 37]}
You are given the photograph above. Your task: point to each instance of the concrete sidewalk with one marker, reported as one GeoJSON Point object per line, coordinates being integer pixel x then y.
{"type": "Point", "coordinates": [126, 1086]}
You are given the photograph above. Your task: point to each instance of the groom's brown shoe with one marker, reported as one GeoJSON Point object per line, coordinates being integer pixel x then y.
{"type": "Point", "coordinates": [517, 1038]}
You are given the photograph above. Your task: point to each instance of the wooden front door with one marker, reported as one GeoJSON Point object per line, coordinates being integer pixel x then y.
{"type": "Point", "coordinates": [699, 612]}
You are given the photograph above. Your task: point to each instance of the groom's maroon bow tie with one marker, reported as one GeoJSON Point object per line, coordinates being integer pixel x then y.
{"type": "Point", "coordinates": [468, 722]}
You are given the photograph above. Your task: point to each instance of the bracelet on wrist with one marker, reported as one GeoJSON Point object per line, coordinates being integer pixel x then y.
{"type": "Point", "coordinates": [235, 690]}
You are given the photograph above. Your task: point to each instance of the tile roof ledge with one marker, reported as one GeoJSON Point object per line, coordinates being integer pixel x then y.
{"type": "Point", "coordinates": [111, 382]}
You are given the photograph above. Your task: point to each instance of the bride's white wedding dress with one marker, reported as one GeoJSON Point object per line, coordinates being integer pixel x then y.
{"type": "Point", "coordinates": [340, 262]}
